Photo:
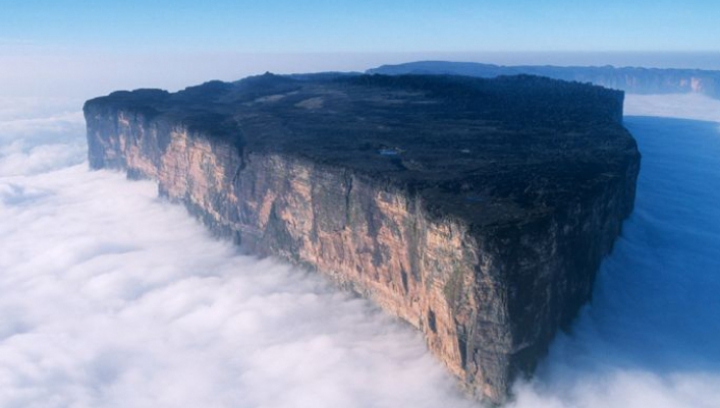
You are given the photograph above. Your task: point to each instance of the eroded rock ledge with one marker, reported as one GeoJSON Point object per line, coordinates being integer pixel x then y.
{"type": "Point", "coordinates": [476, 210]}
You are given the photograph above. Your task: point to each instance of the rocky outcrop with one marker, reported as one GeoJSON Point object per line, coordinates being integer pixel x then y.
{"type": "Point", "coordinates": [630, 79]}
{"type": "Point", "coordinates": [484, 234]}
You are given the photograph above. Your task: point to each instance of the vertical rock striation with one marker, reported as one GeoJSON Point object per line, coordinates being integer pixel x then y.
{"type": "Point", "coordinates": [486, 243]}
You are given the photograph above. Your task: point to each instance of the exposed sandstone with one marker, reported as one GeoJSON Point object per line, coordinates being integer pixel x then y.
{"type": "Point", "coordinates": [478, 211]}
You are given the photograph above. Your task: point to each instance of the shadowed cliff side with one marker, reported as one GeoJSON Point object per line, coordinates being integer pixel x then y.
{"type": "Point", "coordinates": [477, 210]}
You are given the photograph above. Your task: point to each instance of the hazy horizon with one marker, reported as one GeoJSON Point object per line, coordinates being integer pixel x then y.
{"type": "Point", "coordinates": [85, 75]}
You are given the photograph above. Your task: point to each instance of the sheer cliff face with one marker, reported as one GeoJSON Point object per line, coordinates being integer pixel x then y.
{"type": "Point", "coordinates": [488, 297]}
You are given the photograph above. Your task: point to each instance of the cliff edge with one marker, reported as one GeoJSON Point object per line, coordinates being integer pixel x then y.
{"type": "Point", "coordinates": [477, 210]}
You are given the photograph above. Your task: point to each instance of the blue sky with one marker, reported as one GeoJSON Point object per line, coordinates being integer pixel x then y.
{"type": "Point", "coordinates": [361, 26]}
{"type": "Point", "coordinates": [87, 48]}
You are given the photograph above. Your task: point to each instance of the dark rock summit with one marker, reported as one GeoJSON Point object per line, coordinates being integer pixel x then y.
{"type": "Point", "coordinates": [477, 210]}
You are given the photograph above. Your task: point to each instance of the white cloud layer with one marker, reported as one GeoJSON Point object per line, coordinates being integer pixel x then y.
{"type": "Point", "coordinates": [682, 106]}
{"type": "Point", "coordinates": [38, 135]}
{"type": "Point", "coordinates": [110, 297]}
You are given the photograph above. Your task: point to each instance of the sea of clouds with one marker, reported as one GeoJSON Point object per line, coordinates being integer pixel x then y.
{"type": "Point", "coordinates": [110, 297]}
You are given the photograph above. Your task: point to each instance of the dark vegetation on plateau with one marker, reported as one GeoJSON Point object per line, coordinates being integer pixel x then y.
{"type": "Point", "coordinates": [501, 145]}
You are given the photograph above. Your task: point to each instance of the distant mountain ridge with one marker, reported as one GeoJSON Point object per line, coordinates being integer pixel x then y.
{"type": "Point", "coordinates": [629, 79]}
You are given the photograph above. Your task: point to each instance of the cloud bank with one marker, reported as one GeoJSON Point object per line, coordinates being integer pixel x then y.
{"type": "Point", "coordinates": [110, 297]}
{"type": "Point", "coordinates": [681, 106]}
{"type": "Point", "coordinates": [39, 135]}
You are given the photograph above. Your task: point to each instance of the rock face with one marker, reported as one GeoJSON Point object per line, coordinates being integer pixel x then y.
{"type": "Point", "coordinates": [629, 79]}
{"type": "Point", "coordinates": [476, 210]}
